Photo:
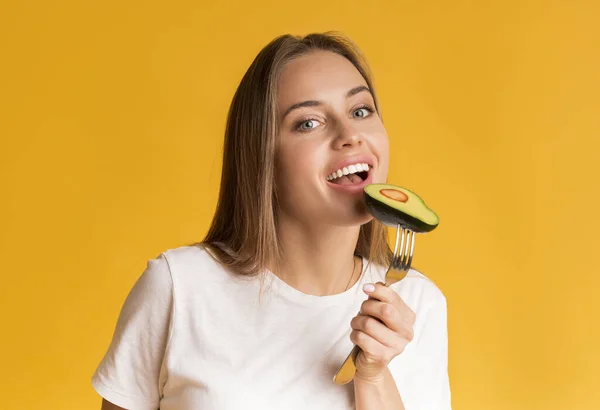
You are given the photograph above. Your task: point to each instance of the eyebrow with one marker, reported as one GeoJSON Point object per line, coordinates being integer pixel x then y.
{"type": "Point", "coordinates": [315, 103]}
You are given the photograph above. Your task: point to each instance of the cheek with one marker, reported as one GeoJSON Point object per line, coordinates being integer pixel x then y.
{"type": "Point", "coordinates": [293, 161]}
{"type": "Point", "coordinates": [297, 165]}
{"type": "Point", "coordinates": [385, 153]}
{"type": "Point", "coordinates": [381, 147]}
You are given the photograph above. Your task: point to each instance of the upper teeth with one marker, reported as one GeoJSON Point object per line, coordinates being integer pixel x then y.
{"type": "Point", "coordinates": [350, 169]}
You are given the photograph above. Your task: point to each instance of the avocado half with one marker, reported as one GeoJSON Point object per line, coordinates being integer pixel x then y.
{"type": "Point", "coordinates": [393, 205]}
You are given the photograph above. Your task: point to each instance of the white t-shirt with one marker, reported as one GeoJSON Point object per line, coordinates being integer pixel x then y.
{"type": "Point", "coordinates": [192, 335]}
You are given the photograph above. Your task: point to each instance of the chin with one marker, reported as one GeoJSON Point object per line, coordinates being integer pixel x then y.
{"type": "Point", "coordinates": [364, 218]}
{"type": "Point", "coordinates": [356, 216]}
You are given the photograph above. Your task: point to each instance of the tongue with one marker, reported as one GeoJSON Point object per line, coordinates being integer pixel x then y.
{"type": "Point", "coordinates": [349, 179]}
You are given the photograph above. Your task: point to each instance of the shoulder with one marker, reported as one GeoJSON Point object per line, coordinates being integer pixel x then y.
{"type": "Point", "coordinates": [185, 259]}
{"type": "Point", "coordinates": [174, 265]}
{"type": "Point", "coordinates": [185, 256]}
{"type": "Point", "coordinates": [192, 268]}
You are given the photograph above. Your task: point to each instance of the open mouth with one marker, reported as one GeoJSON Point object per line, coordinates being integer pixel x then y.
{"type": "Point", "coordinates": [350, 175]}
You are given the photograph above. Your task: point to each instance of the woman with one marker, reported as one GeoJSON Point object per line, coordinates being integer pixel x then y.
{"type": "Point", "coordinates": [262, 312]}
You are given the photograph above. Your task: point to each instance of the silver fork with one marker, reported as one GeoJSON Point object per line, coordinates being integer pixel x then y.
{"type": "Point", "coordinates": [397, 270]}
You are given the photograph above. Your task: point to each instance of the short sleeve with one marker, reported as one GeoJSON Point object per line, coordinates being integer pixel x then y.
{"type": "Point", "coordinates": [427, 384]}
{"type": "Point", "coordinates": [130, 374]}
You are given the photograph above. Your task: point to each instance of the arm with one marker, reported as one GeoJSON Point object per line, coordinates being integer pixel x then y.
{"type": "Point", "coordinates": [382, 330]}
{"type": "Point", "coordinates": [381, 395]}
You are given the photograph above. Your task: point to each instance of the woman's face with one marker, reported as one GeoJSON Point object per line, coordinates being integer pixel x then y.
{"type": "Point", "coordinates": [328, 127]}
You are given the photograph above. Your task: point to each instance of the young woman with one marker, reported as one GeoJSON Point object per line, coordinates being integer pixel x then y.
{"type": "Point", "coordinates": [263, 311]}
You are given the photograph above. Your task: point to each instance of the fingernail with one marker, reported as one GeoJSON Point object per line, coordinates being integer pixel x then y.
{"type": "Point", "coordinates": [369, 287]}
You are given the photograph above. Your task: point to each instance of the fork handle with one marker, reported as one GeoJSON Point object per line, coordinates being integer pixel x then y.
{"type": "Point", "coordinates": [346, 372]}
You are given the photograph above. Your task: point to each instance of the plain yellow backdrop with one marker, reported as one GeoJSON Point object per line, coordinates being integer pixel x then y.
{"type": "Point", "coordinates": [111, 125]}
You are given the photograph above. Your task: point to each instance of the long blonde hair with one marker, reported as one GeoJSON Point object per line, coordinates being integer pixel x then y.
{"type": "Point", "coordinates": [243, 234]}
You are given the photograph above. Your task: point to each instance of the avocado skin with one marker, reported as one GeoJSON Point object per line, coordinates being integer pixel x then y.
{"type": "Point", "coordinates": [390, 216]}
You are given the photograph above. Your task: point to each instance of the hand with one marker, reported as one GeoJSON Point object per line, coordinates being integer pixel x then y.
{"type": "Point", "coordinates": [382, 330]}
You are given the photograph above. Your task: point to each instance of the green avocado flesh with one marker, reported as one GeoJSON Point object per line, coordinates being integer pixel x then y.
{"type": "Point", "coordinates": [394, 205]}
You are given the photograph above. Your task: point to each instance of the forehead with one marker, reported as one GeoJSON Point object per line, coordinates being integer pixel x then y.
{"type": "Point", "coordinates": [319, 75]}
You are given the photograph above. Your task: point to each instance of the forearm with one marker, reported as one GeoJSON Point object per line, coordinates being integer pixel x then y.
{"type": "Point", "coordinates": [377, 395]}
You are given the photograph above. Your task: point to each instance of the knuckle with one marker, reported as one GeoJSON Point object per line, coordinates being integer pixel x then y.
{"type": "Point", "coordinates": [410, 317]}
{"type": "Point", "coordinates": [354, 336]}
{"type": "Point", "coordinates": [361, 338]}
{"type": "Point", "coordinates": [400, 344]}
{"type": "Point", "coordinates": [399, 348]}
{"type": "Point", "coordinates": [410, 334]}
{"type": "Point", "coordinates": [370, 324]}
{"type": "Point", "coordinates": [366, 324]}
{"type": "Point", "coordinates": [387, 311]}
{"type": "Point", "coordinates": [413, 316]}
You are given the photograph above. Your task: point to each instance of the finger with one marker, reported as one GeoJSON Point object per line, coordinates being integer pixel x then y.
{"type": "Point", "coordinates": [381, 292]}
{"type": "Point", "coordinates": [389, 315]}
{"type": "Point", "coordinates": [384, 293]}
{"type": "Point", "coordinates": [380, 332]}
{"type": "Point", "coordinates": [373, 350]}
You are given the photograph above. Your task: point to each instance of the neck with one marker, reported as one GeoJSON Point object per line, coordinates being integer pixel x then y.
{"type": "Point", "coordinates": [318, 259]}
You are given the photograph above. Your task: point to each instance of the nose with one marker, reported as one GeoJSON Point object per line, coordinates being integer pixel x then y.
{"type": "Point", "coordinates": [346, 136]}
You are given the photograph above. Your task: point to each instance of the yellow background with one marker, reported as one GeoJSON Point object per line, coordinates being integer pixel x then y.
{"type": "Point", "coordinates": [112, 117]}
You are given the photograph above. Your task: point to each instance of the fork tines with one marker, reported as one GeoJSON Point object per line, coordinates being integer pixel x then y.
{"type": "Point", "coordinates": [402, 258]}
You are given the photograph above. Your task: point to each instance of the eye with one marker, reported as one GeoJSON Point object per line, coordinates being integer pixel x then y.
{"type": "Point", "coordinates": [307, 125]}
{"type": "Point", "coordinates": [362, 112]}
